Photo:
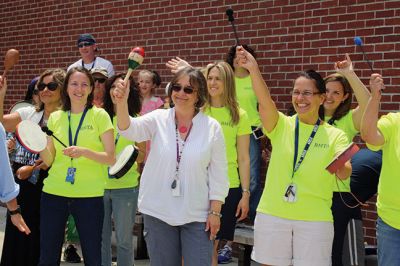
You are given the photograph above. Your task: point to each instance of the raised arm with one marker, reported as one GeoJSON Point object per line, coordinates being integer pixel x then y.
{"type": "Point", "coordinates": [267, 108]}
{"type": "Point", "coordinates": [175, 64]}
{"type": "Point", "coordinates": [3, 89]}
{"type": "Point", "coordinates": [369, 122]}
{"type": "Point", "coordinates": [121, 93]}
{"type": "Point", "coordinates": [360, 91]}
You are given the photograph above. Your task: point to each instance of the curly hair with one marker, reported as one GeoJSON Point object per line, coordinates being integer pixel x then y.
{"type": "Point", "coordinates": [230, 56]}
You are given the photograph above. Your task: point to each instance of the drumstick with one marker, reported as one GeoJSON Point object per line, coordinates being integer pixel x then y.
{"type": "Point", "coordinates": [229, 13]}
{"type": "Point", "coordinates": [135, 59]}
{"type": "Point", "coordinates": [11, 58]}
{"type": "Point", "coordinates": [50, 133]}
{"type": "Point", "coordinates": [359, 42]}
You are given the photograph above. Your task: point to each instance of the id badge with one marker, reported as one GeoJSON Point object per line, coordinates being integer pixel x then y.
{"type": "Point", "coordinates": [176, 190]}
{"type": "Point", "coordinates": [70, 175]}
{"type": "Point", "coordinates": [290, 193]}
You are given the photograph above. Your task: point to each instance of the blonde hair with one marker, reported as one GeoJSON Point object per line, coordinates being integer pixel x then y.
{"type": "Point", "coordinates": [229, 95]}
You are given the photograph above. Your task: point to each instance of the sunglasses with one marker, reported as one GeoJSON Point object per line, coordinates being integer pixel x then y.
{"type": "Point", "coordinates": [52, 86]}
{"type": "Point", "coordinates": [84, 44]}
{"type": "Point", "coordinates": [100, 80]}
{"type": "Point", "coordinates": [178, 88]}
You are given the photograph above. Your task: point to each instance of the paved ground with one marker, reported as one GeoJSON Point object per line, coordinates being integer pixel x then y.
{"type": "Point", "coordinates": [137, 263]}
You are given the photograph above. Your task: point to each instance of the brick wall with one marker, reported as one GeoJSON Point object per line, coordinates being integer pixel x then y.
{"type": "Point", "coordinates": [288, 35]}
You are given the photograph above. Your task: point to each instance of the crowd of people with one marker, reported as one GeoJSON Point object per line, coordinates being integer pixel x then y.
{"type": "Point", "coordinates": [201, 174]}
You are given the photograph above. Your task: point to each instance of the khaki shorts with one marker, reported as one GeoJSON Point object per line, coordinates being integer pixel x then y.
{"type": "Point", "coordinates": [279, 241]}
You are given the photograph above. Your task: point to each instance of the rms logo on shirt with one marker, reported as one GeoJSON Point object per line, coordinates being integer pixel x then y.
{"type": "Point", "coordinates": [321, 145]}
{"type": "Point", "coordinates": [227, 124]}
{"type": "Point", "coordinates": [87, 127]}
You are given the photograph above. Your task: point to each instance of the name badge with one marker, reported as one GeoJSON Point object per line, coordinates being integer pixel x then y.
{"type": "Point", "coordinates": [70, 175]}
{"type": "Point", "coordinates": [176, 188]}
{"type": "Point", "coordinates": [290, 193]}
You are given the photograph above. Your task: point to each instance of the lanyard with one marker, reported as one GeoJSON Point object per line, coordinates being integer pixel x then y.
{"type": "Point", "coordinates": [179, 151]}
{"type": "Point", "coordinates": [306, 147]}
{"type": "Point", "coordinates": [331, 121]}
{"type": "Point", "coordinates": [94, 61]}
{"type": "Point", "coordinates": [77, 130]}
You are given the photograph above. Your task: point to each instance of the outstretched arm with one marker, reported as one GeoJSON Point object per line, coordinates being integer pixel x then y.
{"type": "Point", "coordinates": [369, 127]}
{"type": "Point", "coordinates": [267, 108]}
{"type": "Point", "coordinates": [360, 91]}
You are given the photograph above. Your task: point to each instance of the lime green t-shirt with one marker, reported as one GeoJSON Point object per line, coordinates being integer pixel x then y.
{"type": "Point", "coordinates": [388, 202]}
{"type": "Point", "coordinates": [90, 175]}
{"type": "Point", "coordinates": [314, 183]}
{"type": "Point", "coordinates": [231, 132]}
{"type": "Point", "coordinates": [131, 178]}
{"type": "Point", "coordinates": [247, 99]}
{"type": "Point", "coordinates": [347, 125]}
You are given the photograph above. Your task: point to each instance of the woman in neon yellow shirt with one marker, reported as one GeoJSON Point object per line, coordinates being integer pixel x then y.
{"type": "Point", "coordinates": [294, 221]}
{"type": "Point", "coordinates": [120, 195]}
{"type": "Point", "coordinates": [385, 134]}
{"type": "Point", "coordinates": [222, 105]}
{"type": "Point", "coordinates": [75, 184]}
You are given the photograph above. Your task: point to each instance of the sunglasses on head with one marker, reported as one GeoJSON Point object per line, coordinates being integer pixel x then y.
{"type": "Point", "coordinates": [178, 88]}
{"type": "Point", "coordinates": [52, 86]}
{"type": "Point", "coordinates": [84, 44]}
{"type": "Point", "coordinates": [100, 80]}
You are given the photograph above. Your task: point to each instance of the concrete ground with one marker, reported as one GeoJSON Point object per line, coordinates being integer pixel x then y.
{"type": "Point", "coordinates": [137, 262]}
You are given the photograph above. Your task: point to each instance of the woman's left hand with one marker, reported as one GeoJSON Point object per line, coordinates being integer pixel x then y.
{"type": "Point", "coordinates": [213, 224]}
{"type": "Point", "coordinates": [74, 151]}
{"type": "Point", "coordinates": [243, 207]}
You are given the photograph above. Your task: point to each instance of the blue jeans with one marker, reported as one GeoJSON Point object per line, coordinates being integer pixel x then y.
{"type": "Point", "coordinates": [121, 205]}
{"type": "Point", "coordinates": [388, 244]}
{"type": "Point", "coordinates": [255, 182]}
{"type": "Point", "coordinates": [88, 214]}
{"type": "Point", "coordinates": [167, 244]}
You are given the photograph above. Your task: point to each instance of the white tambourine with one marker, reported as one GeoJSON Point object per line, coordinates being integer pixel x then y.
{"type": "Point", "coordinates": [31, 136]}
{"type": "Point", "coordinates": [125, 160]}
{"type": "Point", "coordinates": [19, 105]}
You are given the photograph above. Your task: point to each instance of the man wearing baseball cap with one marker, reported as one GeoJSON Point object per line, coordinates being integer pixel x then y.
{"type": "Point", "coordinates": [87, 48]}
{"type": "Point", "coordinates": [100, 76]}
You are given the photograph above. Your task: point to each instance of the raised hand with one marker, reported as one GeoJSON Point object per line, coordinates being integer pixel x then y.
{"type": "Point", "coordinates": [121, 91]}
{"type": "Point", "coordinates": [245, 59]}
{"type": "Point", "coordinates": [376, 85]}
{"type": "Point", "coordinates": [344, 67]}
{"type": "Point", "coordinates": [175, 64]}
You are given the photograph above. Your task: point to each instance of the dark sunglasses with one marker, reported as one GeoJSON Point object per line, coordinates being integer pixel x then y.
{"type": "Point", "coordinates": [52, 86]}
{"type": "Point", "coordinates": [84, 44]}
{"type": "Point", "coordinates": [100, 80]}
{"type": "Point", "coordinates": [178, 88]}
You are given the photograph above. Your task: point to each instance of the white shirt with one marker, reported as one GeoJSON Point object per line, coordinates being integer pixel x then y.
{"type": "Point", "coordinates": [203, 171]}
{"type": "Point", "coordinates": [99, 62]}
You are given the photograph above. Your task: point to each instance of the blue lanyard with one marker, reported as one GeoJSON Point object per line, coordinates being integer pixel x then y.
{"type": "Point", "coordinates": [77, 130]}
{"type": "Point", "coordinates": [306, 147]}
{"type": "Point", "coordinates": [94, 62]}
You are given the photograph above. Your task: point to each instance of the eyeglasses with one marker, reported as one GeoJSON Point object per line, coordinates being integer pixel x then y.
{"type": "Point", "coordinates": [306, 94]}
{"type": "Point", "coordinates": [178, 88]}
{"type": "Point", "coordinates": [84, 44]}
{"type": "Point", "coordinates": [52, 86]}
{"type": "Point", "coordinates": [100, 80]}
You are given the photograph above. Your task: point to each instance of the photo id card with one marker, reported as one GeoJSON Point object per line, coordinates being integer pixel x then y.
{"type": "Point", "coordinates": [176, 189]}
{"type": "Point", "coordinates": [70, 175]}
{"type": "Point", "coordinates": [290, 193]}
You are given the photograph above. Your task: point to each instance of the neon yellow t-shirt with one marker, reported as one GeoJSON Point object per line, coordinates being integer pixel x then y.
{"type": "Point", "coordinates": [231, 132]}
{"type": "Point", "coordinates": [247, 99]}
{"type": "Point", "coordinates": [347, 125]}
{"type": "Point", "coordinates": [90, 175]}
{"type": "Point", "coordinates": [131, 178]}
{"type": "Point", "coordinates": [314, 183]}
{"type": "Point", "coordinates": [388, 202]}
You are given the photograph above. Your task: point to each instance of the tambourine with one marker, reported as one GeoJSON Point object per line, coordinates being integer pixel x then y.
{"type": "Point", "coordinates": [31, 136]}
{"type": "Point", "coordinates": [125, 159]}
{"type": "Point", "coordinates": [19, 105]}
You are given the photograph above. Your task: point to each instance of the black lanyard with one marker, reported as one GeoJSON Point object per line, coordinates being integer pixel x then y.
{"type": "Point", "coordinates": [306, 147]}
{"type": "Point", "coordinates": [94, 61]}
{"type": "Point", "coordinates": [77, 130]}
{"type": "Point", "coordinates": [331, 121]}
{"type": "Point", "coordinates": [179, 151]}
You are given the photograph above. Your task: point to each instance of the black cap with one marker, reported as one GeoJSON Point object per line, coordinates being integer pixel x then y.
{"type": "Point", "coordinates": [86, 38]}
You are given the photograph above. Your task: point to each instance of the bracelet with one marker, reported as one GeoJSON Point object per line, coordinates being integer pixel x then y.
{"type": "Point", "coordinates": [246, 191]}
{"type": "Point", "coordinates": [215, 213]}
{"type": "Point", "coordinates": [14, 212]}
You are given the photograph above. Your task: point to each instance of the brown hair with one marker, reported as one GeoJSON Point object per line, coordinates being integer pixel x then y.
{"type": "Point", "coordinates": [58, 77]}
{"type": "Point", "coordinates": [66, 101]}
{"type": "Point", "coordinates": [344, 107]}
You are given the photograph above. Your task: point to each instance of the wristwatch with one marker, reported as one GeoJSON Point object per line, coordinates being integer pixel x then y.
{"type": "Point", "coordinates": [14, 212]}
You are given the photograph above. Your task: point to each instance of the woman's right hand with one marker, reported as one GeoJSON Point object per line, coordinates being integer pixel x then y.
{"type": "Point", "coordinates": [344, 67]}
{"type": "Point", "coordinates": [121, 91]}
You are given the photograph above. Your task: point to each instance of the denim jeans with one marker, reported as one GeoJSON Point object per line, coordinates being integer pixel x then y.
{"type": "Point", "coordinates": [167, 244]}
{"type": "Point", "coordinates": [120, 204]}
{"type": "Point", "coordinates": [388, 244]}
{"type": "Point", "coordinates": [255, 182]}
{"type": "Point", "coordinates": [88, 214]}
